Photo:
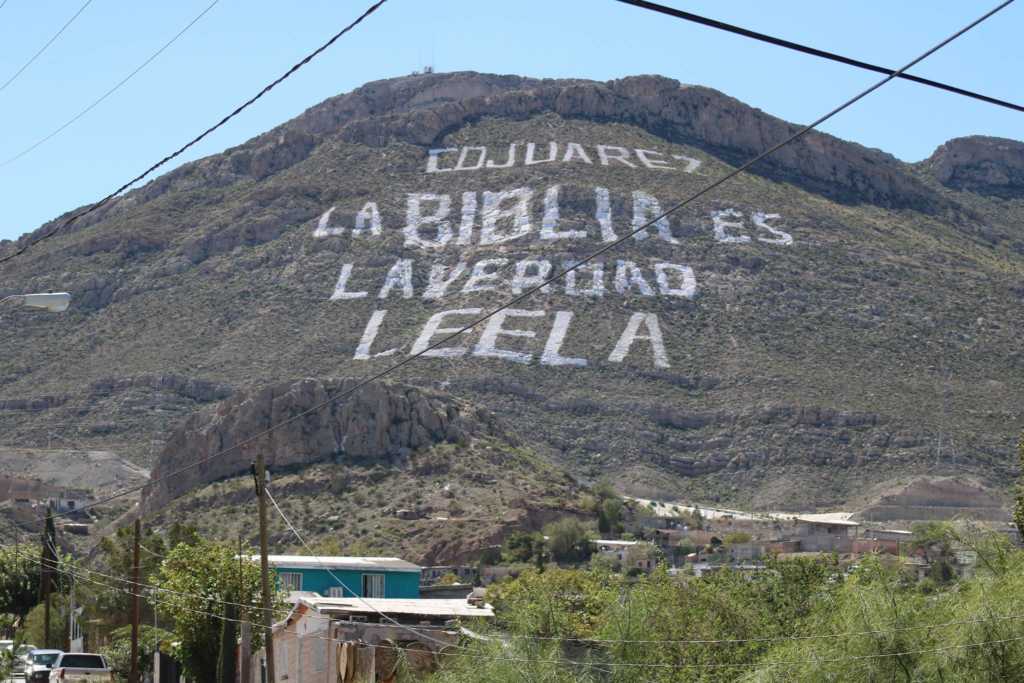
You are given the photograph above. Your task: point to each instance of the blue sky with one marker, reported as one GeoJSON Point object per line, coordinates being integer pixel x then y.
{"type": "Point", "coordinates": [239, 46]}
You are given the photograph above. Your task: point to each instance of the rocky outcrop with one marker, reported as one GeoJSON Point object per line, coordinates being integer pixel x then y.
{"type": "Point", "coordinates": [380, 421]}
{"type": "Point", "coordinates": [34, 405]}
{"type": "Point", "coordinates": [198, 390]}
{"type": "Point", "coordinates": [993, 166]}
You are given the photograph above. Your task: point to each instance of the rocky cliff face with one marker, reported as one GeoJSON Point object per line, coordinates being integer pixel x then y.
{"type": "Point", "coordinates": [381, 423]}
{"type": "Point", "coordinates": [980, 164]}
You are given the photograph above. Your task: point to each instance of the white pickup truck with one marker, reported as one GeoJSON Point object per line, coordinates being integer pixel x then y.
{"type": "Point", "coordinates": [81, 667]}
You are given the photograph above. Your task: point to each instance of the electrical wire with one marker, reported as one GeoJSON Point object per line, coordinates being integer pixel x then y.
{"type": "Point", "coordinates": [114, 89]}
{"type": "Point", "coordinates": [789, 45]}
{"type": "Point", "coordinates": [44, 47]}
{"type": "Point", "coordinates": [560, 274]}
{"type": "Point", "coordinates": [147, 587]}
{"type": "Point", "coordinates": [194, 141]}
{"type": "Point", "coordinates": [601, 641]}
{"type": "Point", "coordinates": [580, 663]}
{"type": "Point", "coordinates": [334, 576]}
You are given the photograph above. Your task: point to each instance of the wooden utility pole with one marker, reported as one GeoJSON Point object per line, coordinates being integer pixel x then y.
{"type": "Point", "coordinates": [46, 569]}
{"type": "Point", "coordinates": [133, 672]}
{"type": "Point", "coordinates": [260, 472]}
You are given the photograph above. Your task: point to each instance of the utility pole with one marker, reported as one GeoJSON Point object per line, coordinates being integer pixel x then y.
{"type": "Point", "coordinates": [71, 615]}
{"type": "Point", "coordinates": [260, 472]}
{"type": "Point", "coordinates": [133, 673]}
{"type": "Point", "coordinates": [46, 569]}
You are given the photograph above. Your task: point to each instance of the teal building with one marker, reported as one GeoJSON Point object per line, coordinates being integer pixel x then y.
{"type": "Point", "coordinates": [346, 577]}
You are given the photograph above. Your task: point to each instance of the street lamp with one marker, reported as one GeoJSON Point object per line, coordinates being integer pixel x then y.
{"type": "Point", "coordinates": [54, 302]}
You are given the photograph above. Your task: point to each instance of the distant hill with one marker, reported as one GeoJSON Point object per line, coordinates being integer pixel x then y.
{"type": "Point", "coordinates": [831, 322]}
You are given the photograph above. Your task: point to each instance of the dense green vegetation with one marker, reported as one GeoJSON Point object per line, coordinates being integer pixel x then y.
{"type": "Point", "coordinates": [799, 620]}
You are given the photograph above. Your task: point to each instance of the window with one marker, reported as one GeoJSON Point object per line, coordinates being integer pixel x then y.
{"type": "Point", "coordinates": [291, 581]}
{"type": "Point", "coordinates": [75, 661]}
{"type": "Point", "coordinates": [335, 592]}
{"type": "Point", "coordinates": [373, 585]}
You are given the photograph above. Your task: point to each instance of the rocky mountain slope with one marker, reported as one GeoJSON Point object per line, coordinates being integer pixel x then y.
{"type": "Point", "coordinates": [825, 324]}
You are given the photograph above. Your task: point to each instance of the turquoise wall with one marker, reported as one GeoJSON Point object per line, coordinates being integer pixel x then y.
{"type": "Point", "coordinates": [397, 584]}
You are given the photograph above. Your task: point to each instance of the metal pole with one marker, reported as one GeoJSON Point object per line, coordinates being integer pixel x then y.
{"type": "Point", "coordinates": [133, 673]}
{"type": "Point", "coordinates": [261, 493]}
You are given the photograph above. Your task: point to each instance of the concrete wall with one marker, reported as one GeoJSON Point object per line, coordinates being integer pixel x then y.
{"type": "Point", "coordinates": [397, 584]}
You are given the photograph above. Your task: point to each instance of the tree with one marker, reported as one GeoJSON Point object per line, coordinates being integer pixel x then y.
{"type": "Point", "coordinates": [607, 505]}
{"type": "Point", "coordinates": [604, 526]}
{"type": "Point", "coordinates": [34, 631]}
{"type": "Point", "coordinates": [564, 603]}
{"type": "Point", "coordinates": [226, 669]}
{"type": "Point", "coordinates": [114, 606]}
{"type": "Point", "coordinates": [203, 576]}
{"type": "Point", "coordinates": [19, 582]}
{"type": "Point", "coordinates": [522, 546]}
{"type": "Point", "coordinates": [118, 652]}
{"type": "Point", "coordinates": [567, 540]}
{"type": "Point", "coordinates": [737, 538]}
{"type": "Point", "coordinates": [611, 509]}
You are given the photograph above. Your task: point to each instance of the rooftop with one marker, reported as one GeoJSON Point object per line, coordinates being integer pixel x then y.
{"type": "Point", "coordinates": [830, 518]}
{"type": "Point", "coordinates": [394, 564]}
{"type": "Point", "coordinates": [421, 607]}
{"type": "Point", "coordinates": [601, 541]}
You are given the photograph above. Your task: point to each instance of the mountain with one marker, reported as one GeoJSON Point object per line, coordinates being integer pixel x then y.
{"type": "Point", "coordinates": [833, 322]}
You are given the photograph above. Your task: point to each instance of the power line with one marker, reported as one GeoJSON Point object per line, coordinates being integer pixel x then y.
{"type": "Point", "coordinates": [789, 45]}
{"type": "Point", "coordinates": [93, 207]}
{"type": "Point", "coordinates": [110, 92]}
{"type": "Point", "coordinates": [334, 576]}
{"type": "Point", "coordinates": [73, 574]}
{"type": "Point", "coordinates": [623, 665]}
{"type": "Point", "coordinates": [557, 276]}
{"type": "Point", "coordinates": [43, 48]}
{"type": "Point", "coordinates": [666, 641]}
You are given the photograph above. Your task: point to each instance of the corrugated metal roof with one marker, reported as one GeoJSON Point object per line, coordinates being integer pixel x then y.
{"type": "Point", "coordinates": [394, 564]}
{"type": "Point", "coordinates": [425, 607]}
{"type": "Point", "coordinates": [615, 543]}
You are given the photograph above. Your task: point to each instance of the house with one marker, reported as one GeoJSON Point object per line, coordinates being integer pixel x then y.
{"type": "Point", "coordinates": [324, 640]}
{"type": "Point", "coordinates": [339, 577]}
{"type": "Point", "coordinates": [615, 550]}
{"type": "Point", "coordinates": [431, 575]}
{"type": "Point", "coordinates": [70, 500]}
{"type": "Point", "coordinates": [962, 562]}
{"type": "Point", "coordinates": [628, 554]}
{"type": "Point", "coordinates": [740, 552]}
{"type": "Point", "coordinates": [829, 532]}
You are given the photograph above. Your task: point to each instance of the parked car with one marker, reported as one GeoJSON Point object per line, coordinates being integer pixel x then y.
{"type": "Point", "coordinates": [39, 663]}
{"type": "Point", "coordinates": [21, 660]}
{"type": "Point", "coordinates": [81, 667]}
